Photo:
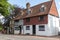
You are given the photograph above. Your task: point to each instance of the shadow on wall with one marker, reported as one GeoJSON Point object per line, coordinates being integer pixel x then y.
{"type": "Point", "coordinates": [59, 31]}
{"type": "Point", "coordinates": [56, 30]}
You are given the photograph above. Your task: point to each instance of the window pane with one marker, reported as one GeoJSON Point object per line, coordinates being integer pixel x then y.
{"type": "Point", "coordinates": [17, 28]}
{"type": "Point", "coordinates": [27, 19]}
{"type": "Point", "coordinates": [42, 9]}
{"type": "Point", "coordinates": [41, 28]}
{"type": "Point", "coordinates": [41, 18]}
{"type": "Point", "coordinates": [27, 27]}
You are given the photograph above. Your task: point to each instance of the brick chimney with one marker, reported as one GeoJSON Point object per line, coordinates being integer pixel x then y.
{"type": "Point", "coordinates": [28, 8]}
{"type": "Point", "coordinates": [28, 5]}
{"type": "Point", "coordinates": [52, 0]}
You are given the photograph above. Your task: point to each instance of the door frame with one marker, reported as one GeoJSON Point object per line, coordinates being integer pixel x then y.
{"type": "Point", "coordinates": [34, 29]}
{"type": "Point", "coordinates": [20, 29]}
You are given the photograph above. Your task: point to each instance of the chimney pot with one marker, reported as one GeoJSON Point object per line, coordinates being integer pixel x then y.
{"type": "Point", "coordinates": [28, 5]}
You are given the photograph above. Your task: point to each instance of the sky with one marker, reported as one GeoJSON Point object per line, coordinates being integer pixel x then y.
{"type": "Point", "coordinates": [22, 3]}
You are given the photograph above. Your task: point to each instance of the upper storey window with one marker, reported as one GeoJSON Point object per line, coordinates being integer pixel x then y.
{"type": "Point", "coordinates": [42, 9]}
{"type": "Point", "coordinates": [41, 18]}
{"type": "Point", "coordinates": [27, 19]}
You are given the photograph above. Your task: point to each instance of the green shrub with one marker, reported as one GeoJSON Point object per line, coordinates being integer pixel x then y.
{"type": "Point", "coordinates": [0, 27]}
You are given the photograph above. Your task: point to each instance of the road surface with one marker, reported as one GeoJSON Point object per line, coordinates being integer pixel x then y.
{"type": "Point", "coordinates": [21, 37]}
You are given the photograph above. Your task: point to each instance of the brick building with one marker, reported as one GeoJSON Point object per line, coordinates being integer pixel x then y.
{"type": "Point", "coordinates": [41, 19]}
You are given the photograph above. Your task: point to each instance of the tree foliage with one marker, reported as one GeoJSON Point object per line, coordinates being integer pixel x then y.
{"type": "Point", "coordinates": [4, 5]}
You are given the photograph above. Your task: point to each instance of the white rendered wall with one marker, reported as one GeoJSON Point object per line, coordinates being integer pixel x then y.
{"type": "Point", "coordinates": [51, 29]}
{"type": "Point", "coordinates": [21, 22]}
{"type": "Point", "coordinates": [43, 33]}
{"type": "Point", "coordinates": [59, 24]}
{"type": "Point", "coordinates": [17, 24]}
{"type": "Point", "coordinates": [53, 24]}
{"type": "Point", "coordinates": [27, 31]}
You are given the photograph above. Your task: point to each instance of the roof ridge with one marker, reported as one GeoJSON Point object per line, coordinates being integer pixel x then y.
{"type": "Point", "coordinates": [40, 4]}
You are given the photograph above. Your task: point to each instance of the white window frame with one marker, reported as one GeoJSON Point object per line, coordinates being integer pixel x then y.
{"type": "Point", "coordinates": [41, 29]}
{"type": "Point", "coordinates": [42, 9]}
{"type": "Point", "coordinates": [27, 27]}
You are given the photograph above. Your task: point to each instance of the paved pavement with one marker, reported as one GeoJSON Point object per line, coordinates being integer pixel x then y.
{"type": "Point", "coordinates": [21, 37]}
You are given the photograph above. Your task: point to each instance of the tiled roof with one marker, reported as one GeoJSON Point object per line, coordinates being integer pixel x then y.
{"type": "Point", "coordinates": [50, 9]}
{"type": "Point", "coordinates": [35, 9]}
{"type": "Point", "coordinates": [53, 9]}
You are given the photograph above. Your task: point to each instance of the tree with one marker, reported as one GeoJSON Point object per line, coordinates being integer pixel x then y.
{"type": "Point", "coordinates": [5, 11]}
{"type": "Point", "coordinates": [4, 7]}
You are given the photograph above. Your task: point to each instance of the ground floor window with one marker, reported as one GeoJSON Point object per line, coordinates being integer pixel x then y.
{"type": "Point", "coordinates": [17, 28]}
{"type": "Point", "coordinates": [27, 27]}
{"type": "Point", "coordinates": [41, 28]}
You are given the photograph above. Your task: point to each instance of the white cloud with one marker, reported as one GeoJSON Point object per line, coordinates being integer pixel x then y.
{"type": "Point", "coordinates": [59, 3]}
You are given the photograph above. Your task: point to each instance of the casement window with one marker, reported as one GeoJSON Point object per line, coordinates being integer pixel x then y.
{"type": "Point", "coordinates": [17, 28]}
{"type": "Point", "coordinates": [27, 19]}
{"type": "Point", "coordinates": [42, 9]}
{"type": "Point", "coordinates": [41, 18]}
{"type": "Point", "coordinates": [41, 28]}
{"type": "Point", "coordinates": [27, 27]}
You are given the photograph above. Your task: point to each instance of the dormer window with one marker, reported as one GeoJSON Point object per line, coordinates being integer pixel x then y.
{"type": "Point", "coordinates": [42, 9]}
